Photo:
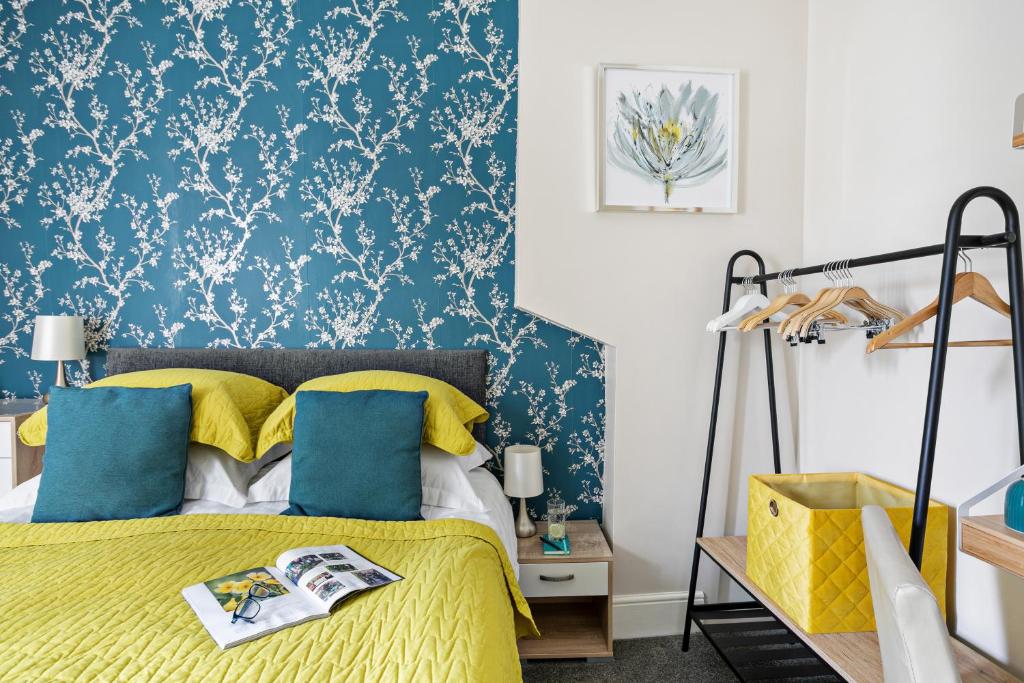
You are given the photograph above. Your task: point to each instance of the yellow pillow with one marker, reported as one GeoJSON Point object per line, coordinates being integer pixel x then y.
{"type": "Point", "coordinates": [448, 413]}
{"type": "Point", "coordinates": [228, 408]}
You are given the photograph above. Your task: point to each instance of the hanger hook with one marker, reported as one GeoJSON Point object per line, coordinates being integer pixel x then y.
{"type": "Point", "coordinates": [849, 273]}
{"type": "Point", "coordinates": [961, 255]}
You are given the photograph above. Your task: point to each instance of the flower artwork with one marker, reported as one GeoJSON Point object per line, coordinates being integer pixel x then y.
{"type": "Point", "coordinates": [672, 138]}
{"type": "Point", "coordinates": [668, 140]}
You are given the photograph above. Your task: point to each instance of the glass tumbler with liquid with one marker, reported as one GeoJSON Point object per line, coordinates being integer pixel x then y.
{"type": "Point", "coordinates": [557, 512]}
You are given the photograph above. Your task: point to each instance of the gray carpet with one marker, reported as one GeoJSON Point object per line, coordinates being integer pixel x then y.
{"type": "Point", "coordinates": [639, 661]}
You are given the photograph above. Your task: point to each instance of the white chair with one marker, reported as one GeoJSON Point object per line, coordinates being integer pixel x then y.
{"type": "Point", "coordinates": [912, 632]}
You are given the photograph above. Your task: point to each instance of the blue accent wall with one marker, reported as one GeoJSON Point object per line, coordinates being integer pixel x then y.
{"type": "Point", "coordinates": [277, 173]}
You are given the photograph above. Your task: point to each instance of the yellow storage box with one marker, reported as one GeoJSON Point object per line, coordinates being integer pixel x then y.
{"type": "Point", "coordinates": [805, 546]}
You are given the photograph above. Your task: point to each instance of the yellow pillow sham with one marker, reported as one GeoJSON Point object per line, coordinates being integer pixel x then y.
{"type": "Point", "coordinates": [228, 408]}
{"type": "Point", "coordinates": [448, 414]}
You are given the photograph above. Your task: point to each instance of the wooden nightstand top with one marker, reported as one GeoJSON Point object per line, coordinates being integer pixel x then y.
{"type": "Point", "coordinates": [19, 406]}
{"type": "Point", "coordinates": [585, 536]}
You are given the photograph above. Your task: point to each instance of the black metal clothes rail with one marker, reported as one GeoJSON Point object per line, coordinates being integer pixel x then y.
{"type": "Point", "coordinates": [999, 239]}
{"type": "Point", "coordinates": [1009, 240]}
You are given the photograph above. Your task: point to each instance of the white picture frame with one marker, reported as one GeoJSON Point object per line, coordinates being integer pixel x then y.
{"type": "Point", "coordinates": [701, 143]}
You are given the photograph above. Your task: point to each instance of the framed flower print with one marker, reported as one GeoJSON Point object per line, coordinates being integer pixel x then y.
{"type": "Point", "coordinates": [668, 139]}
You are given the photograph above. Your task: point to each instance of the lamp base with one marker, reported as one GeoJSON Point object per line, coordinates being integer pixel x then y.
{"type": "Point", "coordinates": [524, 525]}
{"type": "Point", "coordinates": [61, 381]}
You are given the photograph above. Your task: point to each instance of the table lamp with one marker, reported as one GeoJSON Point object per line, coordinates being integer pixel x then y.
{"type": "Point", "coordinates": [524, 478]}
{"type": "Point", "coordinates": [59, 338]}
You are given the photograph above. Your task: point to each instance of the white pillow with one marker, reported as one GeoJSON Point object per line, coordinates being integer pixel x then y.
{"type": "Point", "coordinates": [478, 457]}
{"type": "Point", "coordinates": [22, 495]}
{"type": "Point", "coordinates": [211, 475]}
{"type": "Point", "coordinates": [272, 483]}
{"type": "Point", "coordinates": [444, 482]}
{"type": "Point", "coordinates": [214, 475]}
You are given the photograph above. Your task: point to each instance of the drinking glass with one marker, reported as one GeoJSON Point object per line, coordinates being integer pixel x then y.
{"type": "Point", "coordinates": [557, 512]}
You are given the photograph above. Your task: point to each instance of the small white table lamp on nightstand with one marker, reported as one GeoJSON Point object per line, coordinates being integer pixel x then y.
{"type": "Point", "coordinates": [524, 478]}
{"type": "Point", "coordinates": [59, 338]}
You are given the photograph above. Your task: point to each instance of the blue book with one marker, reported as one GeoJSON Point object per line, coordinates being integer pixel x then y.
{"type": "Point", "coordinates": [552, 547]}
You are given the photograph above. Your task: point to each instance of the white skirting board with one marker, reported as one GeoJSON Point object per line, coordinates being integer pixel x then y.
{"type": "Point", "coordinates": [644, 615]}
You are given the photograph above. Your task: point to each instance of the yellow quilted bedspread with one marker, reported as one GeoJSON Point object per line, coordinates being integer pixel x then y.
{"type": "Point", "coordinates": [101, 601]}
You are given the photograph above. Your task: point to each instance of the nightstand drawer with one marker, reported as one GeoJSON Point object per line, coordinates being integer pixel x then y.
{"type": "Point", "coordinates": [563, 579]}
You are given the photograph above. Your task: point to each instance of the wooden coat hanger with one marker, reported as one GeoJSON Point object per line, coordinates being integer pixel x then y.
{"type": "Point", "coordinates": [857, 298]}
{"type": "Point", "coordinates": [790, 325]}
{"type": "Point", "coordinates": [966, 285]}
{"type": "Point", "coordinates": [799, 323]}
{"type": "Point", "coordinates": [818, 306]}
{"type": "Point", "coordinates": [784, 300]}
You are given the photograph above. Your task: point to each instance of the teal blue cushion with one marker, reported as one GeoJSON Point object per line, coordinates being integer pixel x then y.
{"type": "Point", "coordinates": [114, 453]}
{"type": "Point", "coordinates": [357, 454]}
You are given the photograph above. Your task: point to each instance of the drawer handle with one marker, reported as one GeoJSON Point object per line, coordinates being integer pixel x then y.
{"type": "Point", "coordinates": [563, 577]}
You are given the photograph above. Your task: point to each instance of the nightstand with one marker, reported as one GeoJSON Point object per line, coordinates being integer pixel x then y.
{"type": "Point", "coordinates": [570, 595]}
{"type": "Point", "coordinates": [18, 462]}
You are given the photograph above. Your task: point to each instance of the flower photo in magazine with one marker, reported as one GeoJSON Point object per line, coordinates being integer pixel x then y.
{"type": "Point", "coordinates": [231, 589]}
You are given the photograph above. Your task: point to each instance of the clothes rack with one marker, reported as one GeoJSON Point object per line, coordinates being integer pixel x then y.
{"type": "Point", "coordinates": [1009, 240]}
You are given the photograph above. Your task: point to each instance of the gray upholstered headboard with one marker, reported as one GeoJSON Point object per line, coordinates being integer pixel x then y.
{"type": "Point", "coordinates": [465, 369]}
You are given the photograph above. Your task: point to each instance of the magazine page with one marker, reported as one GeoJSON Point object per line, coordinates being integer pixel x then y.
{"type": "Point", "coordinates": [332, 573]}
{"type": "Point", "coordinates": [214, 602]}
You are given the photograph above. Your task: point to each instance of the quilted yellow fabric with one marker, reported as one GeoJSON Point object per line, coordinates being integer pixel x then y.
{"type": "Point", "coordinates": [101, 601]}
{"type": "Point", "coordinates": [810, 558]}
{"type": "Point", "coordinates": [228, 408]}
{"type": "Point", "coordinates": [449, 414]}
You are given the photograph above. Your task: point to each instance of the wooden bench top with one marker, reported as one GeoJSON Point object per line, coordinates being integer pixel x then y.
{"type": "Point", "coordinates": [854, 656]}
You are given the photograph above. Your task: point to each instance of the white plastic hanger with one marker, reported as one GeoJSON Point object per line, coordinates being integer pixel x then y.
{"type": "Point", "coordinates": [744, 306]}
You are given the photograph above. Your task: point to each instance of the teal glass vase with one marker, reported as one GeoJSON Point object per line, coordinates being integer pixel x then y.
{"type": "Point", "coordinates": [1014, 508]}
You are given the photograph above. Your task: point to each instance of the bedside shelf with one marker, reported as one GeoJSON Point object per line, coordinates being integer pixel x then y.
{"type": "Point", "coordinates": [569, 628]}
{"type": "Point", "coordinates": [987, 538]}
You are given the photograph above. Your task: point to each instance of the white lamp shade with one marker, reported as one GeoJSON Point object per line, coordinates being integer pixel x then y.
{"type": "Point", "coordinates": [524, 475]}
{"type": "Point", "coordinates": [58, 337]}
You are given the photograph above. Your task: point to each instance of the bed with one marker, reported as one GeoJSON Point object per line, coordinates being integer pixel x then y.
{"type": "Point", "coordinates": [101, 600]}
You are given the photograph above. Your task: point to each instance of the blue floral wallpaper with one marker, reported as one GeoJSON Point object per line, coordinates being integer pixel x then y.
{"type": "Point", "coordinates": [256, 173]}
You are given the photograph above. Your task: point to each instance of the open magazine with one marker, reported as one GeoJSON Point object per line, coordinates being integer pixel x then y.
{"type": "Point", "coordinates": [304, 585]}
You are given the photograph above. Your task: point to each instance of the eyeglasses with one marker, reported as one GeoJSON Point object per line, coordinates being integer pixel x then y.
{"type": "Point", "coordinates": [249, 607]}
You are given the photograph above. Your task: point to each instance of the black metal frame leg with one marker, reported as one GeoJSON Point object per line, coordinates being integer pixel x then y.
{"type": "Point", "coordinates": [954, 242]}
{"type": "Point", "coordinates": [712, 429]}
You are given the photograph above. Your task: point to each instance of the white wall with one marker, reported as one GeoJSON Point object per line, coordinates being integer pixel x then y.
{"type": "Point", "coordinates": [647, 284]}
{"type": "Point", "coordinates": [909, 104]}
